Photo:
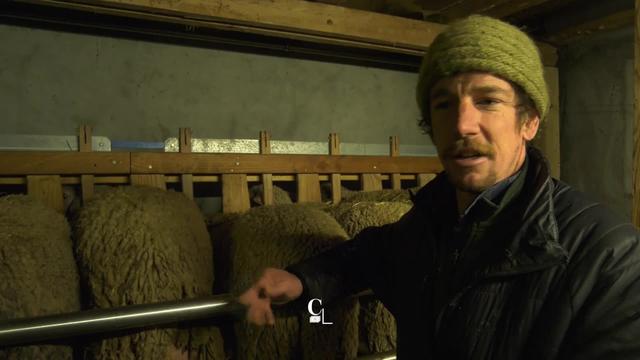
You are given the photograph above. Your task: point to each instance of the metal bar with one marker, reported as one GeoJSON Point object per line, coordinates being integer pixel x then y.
{"type": "Point", "coordinates": [89, 322]}
{"type": "Point", "coordinates": [387, 355]}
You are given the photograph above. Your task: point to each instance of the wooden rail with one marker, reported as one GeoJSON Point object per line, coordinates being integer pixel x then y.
{"type": "Point", "coordinates": [43, 173]}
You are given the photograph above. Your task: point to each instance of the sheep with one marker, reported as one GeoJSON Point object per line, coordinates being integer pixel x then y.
{"type": "Point", "coordinates": [378, 328]}
{"type": "Point", "coordinates": [378, 195]}
{"type": "Point", "coordinates": [38, 274]}
{"type": "Point", "coordinates": [276, 236]}
{"type": "Point", "coordinates": [141, 245]}
{"type": "Point", "coordinates": [280, 196]}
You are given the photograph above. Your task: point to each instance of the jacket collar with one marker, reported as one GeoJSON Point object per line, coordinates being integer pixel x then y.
{"type": "Point", "coordinates": [526, 231]}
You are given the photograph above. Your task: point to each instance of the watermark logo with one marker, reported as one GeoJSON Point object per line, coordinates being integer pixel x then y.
{"type": "Point", "coordinates": [316, 317]}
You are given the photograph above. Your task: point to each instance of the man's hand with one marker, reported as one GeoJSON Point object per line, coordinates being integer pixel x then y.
{"type": "Point", "coordinates": [274, 286]}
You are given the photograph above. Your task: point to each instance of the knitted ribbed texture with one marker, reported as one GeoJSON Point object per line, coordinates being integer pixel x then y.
{"type": "Point", "coordinates": [481, 43]}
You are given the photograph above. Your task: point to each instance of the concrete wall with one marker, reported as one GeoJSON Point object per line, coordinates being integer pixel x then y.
{"type": "Point", "coordinates": [597, 120]}
{"type": "Point", "coordinates": [51, 82]}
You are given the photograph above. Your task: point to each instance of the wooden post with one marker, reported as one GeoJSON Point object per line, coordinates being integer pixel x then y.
{"type": "Point", "coordinates": [394, 150]}
{"type": "Point", "coordinates": [85, 145]}
{"type": "Point", "coordinates": [48, 189]}
{"type": "Point", "coordinates": [336, 186]}
{"type": "Point", "coordinates": [423, 179]}
{"type": "Point", "coordinates": [235, 193]}
{"type": "Point", "coordinates": [308, 188]}
{"type": "Point", "coordinates": [152, 180]}
{"type": "Point", "coordinates": [267, 179]}
{"type": "Point", "coordinates": [185, 148]}
{"type": "Point", "coordinates": [635, 211]}
{"type": "Point", "coordinates": [371, 182]}
{"type": "Point", "coordinates": [548, 138]}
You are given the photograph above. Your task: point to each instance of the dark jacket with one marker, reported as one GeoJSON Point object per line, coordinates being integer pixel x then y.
{"type": "Point", "coordinates": [558, 279]}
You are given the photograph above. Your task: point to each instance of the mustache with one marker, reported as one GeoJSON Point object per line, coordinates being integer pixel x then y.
{"type": "Point", "coordinates": [468, 147]}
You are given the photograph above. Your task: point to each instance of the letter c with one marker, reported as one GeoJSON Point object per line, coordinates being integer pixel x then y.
{"type": "Point", "coordinates": [310, 307]}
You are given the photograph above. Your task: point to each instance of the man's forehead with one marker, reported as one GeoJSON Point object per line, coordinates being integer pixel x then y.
{"type": "Point", "coordinates": [471, 82]}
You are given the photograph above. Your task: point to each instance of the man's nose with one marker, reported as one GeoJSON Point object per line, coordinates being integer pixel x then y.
{"type": "Point", "coordinates": [467, 119]}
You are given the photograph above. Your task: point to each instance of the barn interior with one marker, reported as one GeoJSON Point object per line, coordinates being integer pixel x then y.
{"type": "Point", "coordinates": [245, 109]}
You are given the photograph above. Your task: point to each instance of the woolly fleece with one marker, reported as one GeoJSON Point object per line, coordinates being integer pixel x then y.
{"type": "Point", "coordinates": [38, 274]}
{"type": "Point", "coordinates": [140, 245]}
{"type": "Point", "coordinates": [277, 236]}
{"type": "Point", "coordinates": [377, 324]}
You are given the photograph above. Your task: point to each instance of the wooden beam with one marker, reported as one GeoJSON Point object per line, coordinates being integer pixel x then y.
{"type": "Point", "coordinates": [423, 179]}
{"type": "Point", "coordinates": [336, 184]}
{"type": "Point", "coordinates": [235, 193]}
{"type": "Point", "coordinates": [184, 145]}
{"type": "Point", "coordinates": [308, 188]}
{"type": "Point", "coordinates": [394, 150]}
{"type": "Point", "coordinates": [151, 180]}
{"type": "Point", "coordinates": [606, 23]}
{"type": "Point", "coordinates": [84, 138]}
{"type": "Point", "coordinates": [635, 211]}
{"type": "Point", "coordinates": [548, 138]}
{"type": "Point", "coordinates": [451, 10]}
{"type": "Point", "coordinates": [266, 17]}
{"type": "Point", "coordinates": [184, 137]}
{"type": "Point", "coordinates": [370, 182]}
{"type": "Point", "coordinates": [48, 189]}
{"type": "Point", "coordinates": [87, 183]}
{"type": "Point", "coordinates": [176, 163]}
{"type": "Point", "coordinates": [267, 179]}
{"type": "Point", "coordinates": [63, 163]}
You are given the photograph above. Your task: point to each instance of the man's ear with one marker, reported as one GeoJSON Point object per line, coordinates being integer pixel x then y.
{"type": "Point", "coordinates": [530, 128]}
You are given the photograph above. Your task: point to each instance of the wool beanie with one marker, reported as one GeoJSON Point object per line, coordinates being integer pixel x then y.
{"type": "Point", "coordinates": [481, 43]}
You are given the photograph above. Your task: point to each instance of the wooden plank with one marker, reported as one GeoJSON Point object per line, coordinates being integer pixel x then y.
{"type": "Point", "coordinates": [394, 150]}
{"type": "Point", "coordinates": [494, 8]}
{"type": "Point", "coordinates": [187, 185]}
{"type": "Point", "coordinates": [84, 138]}
{"type": "Point", "coordinates": [308, 188]}
{"type": "Point", "coordinates": [295, 16]}
{"type": "Point", "coordinates": [393, 34]}
{"type": "Point", "coordinates": [184, 147]}
{"type": "Point", "coordinates": [336, 185]}
{"type": "Point", "coordinates": [267, 188]}
{"type": "Point", "coordinates": [235, 193]}
{"type": "Point", "coordinates": [548, 138]}
{"type": "Point", "coordinates": [176, 163]}
{"type": "Point", "coordinates": [370, 182]}
{"type": "Point", "coordinates": [267, 179]}
{"type": "Point", "coordinates": [86, 187]}
{"type": "Point", "coordinates": [184, 137]}
{"type": "Point", "coordinates": [63, 163]}
{"type": "Point", "coordinates": [423, 179]}
{"type": "Point", "coordinates": [48, 189]}
{"type": "Point", "coordinates": [635, 211]}
{"type": "Point", "coordinates": [152, 180]}
{"type": "Point", "coordinates": [601, 24]}
{"type": "Point", "coordinates": [12, 181]}
{"type": "Point", "coordinates": [111, 180]}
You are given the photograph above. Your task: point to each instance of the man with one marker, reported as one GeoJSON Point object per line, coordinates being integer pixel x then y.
{"type": "Point", "coordinates": [496, 260]}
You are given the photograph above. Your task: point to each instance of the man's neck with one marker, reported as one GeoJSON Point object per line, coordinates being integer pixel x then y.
{"type": "Point", "coordinates": [465, 198]}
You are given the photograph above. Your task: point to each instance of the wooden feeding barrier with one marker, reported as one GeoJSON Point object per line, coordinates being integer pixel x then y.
{"type": "Point", "coordinates": [43, 173]}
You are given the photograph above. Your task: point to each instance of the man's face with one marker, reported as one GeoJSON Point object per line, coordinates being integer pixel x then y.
{"type": "Point", "coordinates": [476, 129]}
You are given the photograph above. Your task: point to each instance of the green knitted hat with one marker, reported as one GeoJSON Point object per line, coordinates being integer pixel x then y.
{"type": "Point", "coordinates": [480, 43]}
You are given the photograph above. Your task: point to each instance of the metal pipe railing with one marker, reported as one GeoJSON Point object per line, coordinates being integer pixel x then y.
{"type": "Point", "coordinates": [88, 322]}
{"type": "Point", "coordinates": [387, 355]}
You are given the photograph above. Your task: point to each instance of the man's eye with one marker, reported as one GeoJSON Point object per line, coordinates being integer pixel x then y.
{"type": "Point", "coordinates": [488, 102]}
{"type": "Point", "coordinates": [441, 105]}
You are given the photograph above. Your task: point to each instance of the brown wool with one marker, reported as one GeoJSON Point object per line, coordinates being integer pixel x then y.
{"type": "Point", "coordinates": [141, 245]}
{"type": "Point", "coordinates": [277, 236]}
{"type": "Point", "coordinates": [378, 195]}
{"type": "Point", "coordinates": [38, 274]}
{"type": "Point", "coordinates": [378, 327]}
